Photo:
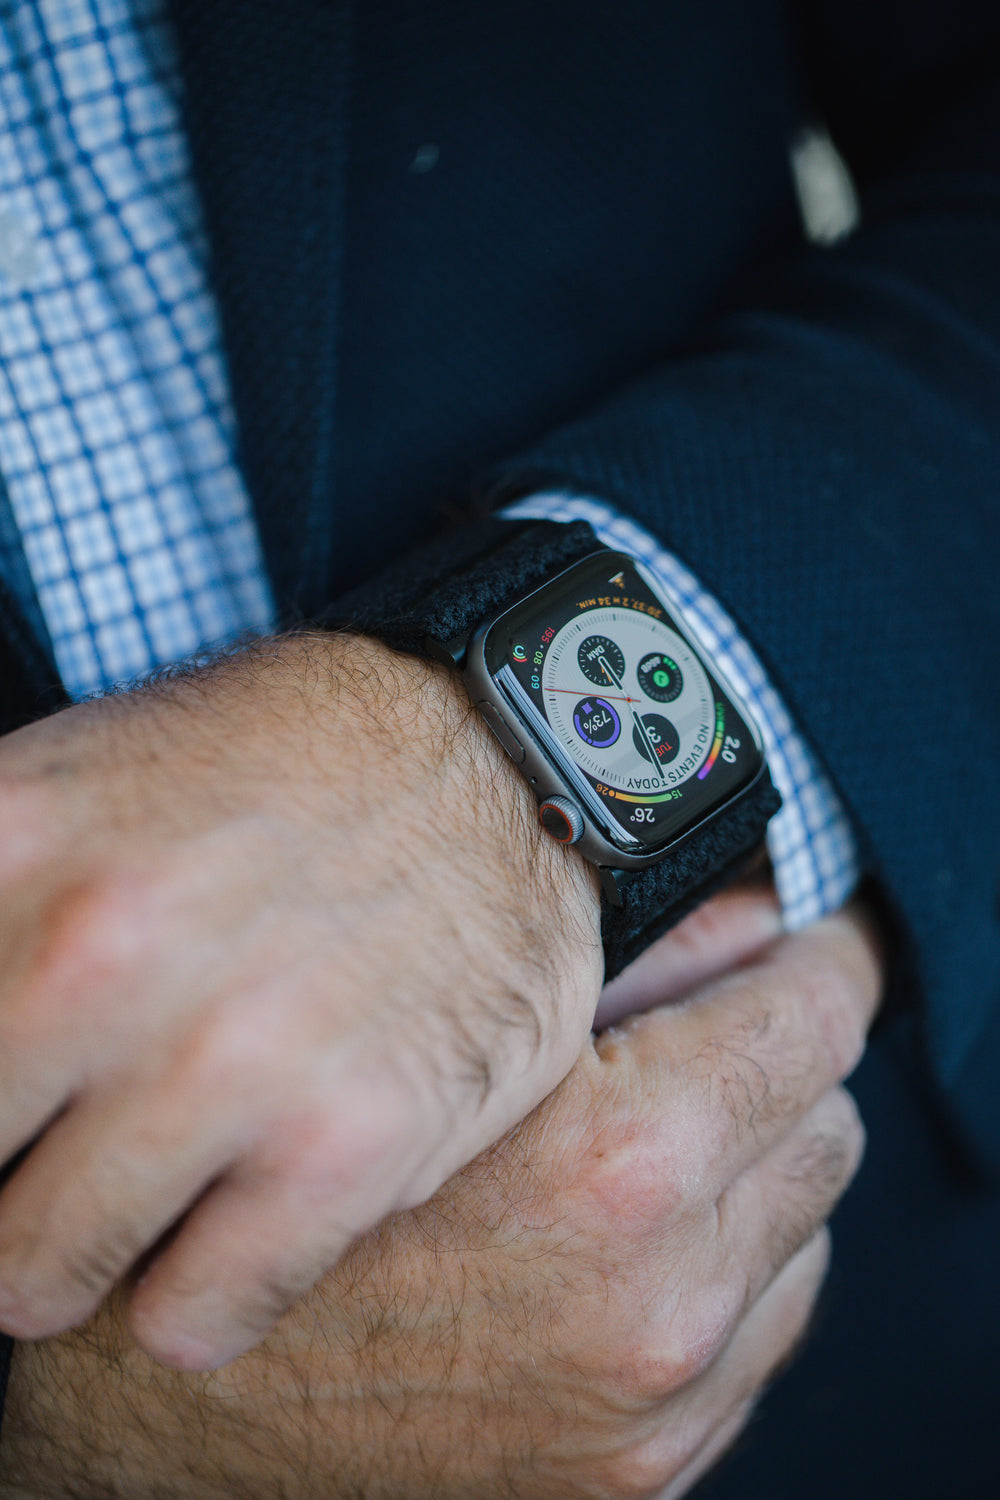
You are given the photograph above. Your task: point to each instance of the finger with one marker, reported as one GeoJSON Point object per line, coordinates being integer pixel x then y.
{"type": "Point", "coordinates": [715, 1259]}
{"type": "Point", "coordinates": [234, 1268]}
{"type": "Point", "coordinates": [118, 1170]}
{"type": "Point", "coordinates": [69, 1013]}
{"type": "Point", "coordinates": [101, 1186]}
{"type": "Point", "coordinates": [723, 932]}
{"type": "Point", "coordinates": [710, 1453]}
{"type": "Point", "coordinates": [329, 1171]}
{"type": "Point", "coordinates": [769, 1213]}
{"type": "Point", "coordinates": [724, 1076]}
{"type": "Point", "coordinates": [695, 1425]}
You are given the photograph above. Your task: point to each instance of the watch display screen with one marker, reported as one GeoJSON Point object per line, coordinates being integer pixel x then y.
{"type": "Point", "coordinates": [621, 702]}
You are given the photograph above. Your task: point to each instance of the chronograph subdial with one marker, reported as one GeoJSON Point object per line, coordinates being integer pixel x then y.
{"type": "Point", "coordinates": [659, 740]}
{"type": "Point", "coordinates": [600, 660]}
{"type": "Point", "coordinates": [660, 677]}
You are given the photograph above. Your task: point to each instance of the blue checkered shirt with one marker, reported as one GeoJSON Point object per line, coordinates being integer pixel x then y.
{"type": "Point", "coordinates": [116, 425]}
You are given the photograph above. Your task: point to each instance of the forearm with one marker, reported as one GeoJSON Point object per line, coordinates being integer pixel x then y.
{"type": "Point", "coordinates": [333, 1403]}
{"type": "Point", "coordinates": [591, 1307]}
{"type": "Point", "coordinates": [89, 1415]}
{"type": "Point", "coordinates": [261, 910]}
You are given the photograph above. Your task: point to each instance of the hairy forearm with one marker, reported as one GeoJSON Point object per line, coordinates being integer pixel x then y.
{"type": "Point", "coordinates": [89, 1415]}
{"type": "Point", "coordinates": [68, 1396]}
{"type": "Point", "coordinates": [367, 1391]}
{"type": "Point", "coordinates": [588, 1308]}
{"type": "Point", "coordinates": [284, 944]}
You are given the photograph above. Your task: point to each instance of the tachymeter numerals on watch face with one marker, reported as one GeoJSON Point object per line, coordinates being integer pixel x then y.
{"type": "Point", "coordinates": [620, 737]}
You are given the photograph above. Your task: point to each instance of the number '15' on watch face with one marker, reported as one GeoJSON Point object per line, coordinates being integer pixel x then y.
{"type": "Point", "coordinates": [621, 704]}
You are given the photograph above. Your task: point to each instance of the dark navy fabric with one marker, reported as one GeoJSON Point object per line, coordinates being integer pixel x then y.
{"type": "Point", "coordinates": [894, 1395]}
{"type": "Point", "coordinates": [460, 247]}
{"type": "Point", "coordinates": [598, 283]}
{"type": "Point", "coordinates": [29, 686]}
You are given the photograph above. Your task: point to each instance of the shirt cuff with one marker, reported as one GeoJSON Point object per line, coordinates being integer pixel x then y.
{"type": "Point", "coordinates": [810, 841]}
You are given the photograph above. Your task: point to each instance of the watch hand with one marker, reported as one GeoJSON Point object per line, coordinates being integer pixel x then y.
{"type": "Point", "coordinates": [613, 679]}
{"type": "Point", "coordinates": [644, 736]}
{"type": "Point", "coordinates": [611, 697]}
{"type": "Point", "coordinates": [640, 726]}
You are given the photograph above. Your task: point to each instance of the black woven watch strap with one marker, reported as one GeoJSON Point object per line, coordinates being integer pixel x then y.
{"type": "Point", "coordinates": [656, 898]}
{"type": "Point", "coordinates": [439, 594]}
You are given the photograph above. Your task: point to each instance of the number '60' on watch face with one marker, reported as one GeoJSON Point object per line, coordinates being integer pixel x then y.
{"type": "Point", "coordinates": [617, 700]}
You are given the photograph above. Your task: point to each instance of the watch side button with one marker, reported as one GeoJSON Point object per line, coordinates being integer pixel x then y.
{"type": "Point", "coordinates": [562, 819]}
{"type": "Point", "coordinates": [498, 724]}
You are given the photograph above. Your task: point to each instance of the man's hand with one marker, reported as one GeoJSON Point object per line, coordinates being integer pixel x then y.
{"type": "Point", "coordinates": [591, 1308]}
{"type": "Point", "coordinates": [282, 948]}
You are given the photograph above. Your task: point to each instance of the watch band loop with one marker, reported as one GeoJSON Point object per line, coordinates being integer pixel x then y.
{"type": "Point", "coordinates": [440, 592]}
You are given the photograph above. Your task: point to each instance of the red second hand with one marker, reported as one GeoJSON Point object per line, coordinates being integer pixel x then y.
{"type": "Point", "coordinates": [622, 697]}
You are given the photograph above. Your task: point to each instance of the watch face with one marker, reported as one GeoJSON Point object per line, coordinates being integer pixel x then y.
{"type": "Point", "coordinates": [622, 703]}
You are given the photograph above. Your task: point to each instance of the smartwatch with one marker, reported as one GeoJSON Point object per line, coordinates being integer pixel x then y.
{"type": "Point", "coordinates": [634, 746]}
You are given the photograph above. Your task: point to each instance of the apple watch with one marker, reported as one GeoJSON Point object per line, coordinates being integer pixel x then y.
{"type": "Point", "coordinates": [635, 748]}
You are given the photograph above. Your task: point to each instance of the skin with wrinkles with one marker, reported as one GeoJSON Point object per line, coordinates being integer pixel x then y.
{"type": "Point", "coordinates": [277, 960]}
{"type": "Point", "coordinates": [589, 1309]}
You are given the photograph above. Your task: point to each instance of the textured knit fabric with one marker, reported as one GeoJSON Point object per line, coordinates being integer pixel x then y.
{"type": "Point", "coordinates": [116, 431]}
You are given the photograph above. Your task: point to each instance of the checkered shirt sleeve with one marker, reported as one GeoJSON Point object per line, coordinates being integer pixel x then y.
{"type": "Point", "coordinates": [116, 433]}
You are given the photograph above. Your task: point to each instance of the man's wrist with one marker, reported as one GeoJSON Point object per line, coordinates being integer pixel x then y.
{"type": "Point", "coordinates": [461, 596]}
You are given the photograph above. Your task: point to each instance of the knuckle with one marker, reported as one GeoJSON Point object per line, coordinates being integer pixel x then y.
{"type": "Point", "coordinates": [827, 1158]}
{"type": "Point", "coordinates": [618, 1195]}
{"type": "Point", "coordinates": [631, 1176]}
{"type": "Point", "coordinates": [701, 1326]}
{"type": "Point", "coordinates": [641, 1469]}
{"type": "Point", "coordinates": [101, 925]}
{"type": "Point", "coordinates": [654, 1374]}
{"type": "Point", "coordinates": [342, 1162]}
{"type": "Point", "coordinates": [94, 936]}
{"type": "Point", "coordinates": [843, 1131]}
{"type": "Point", "coordinates": [656, 1349]}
